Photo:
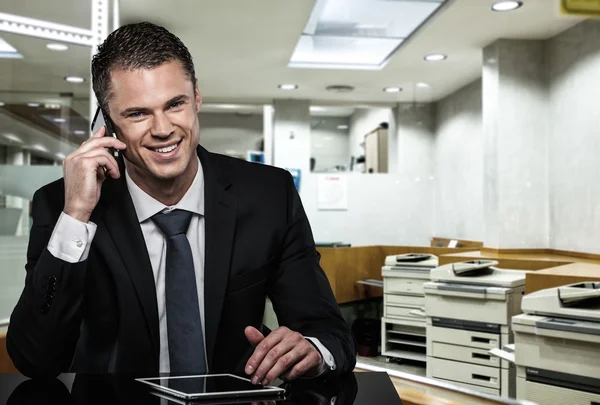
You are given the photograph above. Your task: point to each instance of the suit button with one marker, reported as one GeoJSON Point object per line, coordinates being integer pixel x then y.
{"type": "Point", "coordinates": [48, 299]}
{"type": "Point", "coordinates": [45, 309]}
{"type": "Point", "coordinates": [52, 281]}
{"type": "Point", "coordinates": [50, 289]}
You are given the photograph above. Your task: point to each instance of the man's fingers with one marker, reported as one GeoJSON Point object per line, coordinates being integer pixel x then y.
{"type": "Point", "coordinates": [312, 360]}
{"type": "Point", "coordinates": [101, 142]}
{"type": "Point", "coordinates": [253, 335]}
{"type": "Point", "coordinates": [283, 364]}
{"type": "Point", "coordinates": [103, 160]}
{"type": "Point", "coordinates": [291, 340]}
{"type": "Point", "coordinates": [100, 133]}
{"type": "Point", "coordinates": [261, 350]}
{"type": "Point", "coordinates": [112, 167]}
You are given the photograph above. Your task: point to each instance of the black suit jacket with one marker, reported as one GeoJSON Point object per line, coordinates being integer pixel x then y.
{"type": "Point", "coordinates": [100, 315]}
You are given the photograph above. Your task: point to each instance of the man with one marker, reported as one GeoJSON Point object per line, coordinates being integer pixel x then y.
{"type": "Point", "coordinates": [161, 260]}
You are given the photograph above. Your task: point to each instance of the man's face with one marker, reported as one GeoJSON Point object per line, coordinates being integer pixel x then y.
{"type": "Point", "coordinates": [156, 113]}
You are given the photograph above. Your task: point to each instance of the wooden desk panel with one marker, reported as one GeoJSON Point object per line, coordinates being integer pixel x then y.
{"type": "Point", "coordinates": [518, 261]}
{"type": "Point", "coordinates": [6, 364]}
{"type": "Point", "coordinates": [558, 276]}
{"type": "Point", "coordinates": [345, 266]}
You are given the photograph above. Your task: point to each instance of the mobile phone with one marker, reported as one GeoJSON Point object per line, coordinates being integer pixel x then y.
{"type": "Point", "coordinates": [100, 119]}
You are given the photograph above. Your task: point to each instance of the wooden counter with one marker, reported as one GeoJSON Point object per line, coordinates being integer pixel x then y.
{"type": "Point", "coordinates": [344, 266]}
{"type": "Point", "coordinates": [562, 275]}
{"type": "Point", "coordinates": [518, 261]}
{"type": "Point", "coordinates": [6, 365]}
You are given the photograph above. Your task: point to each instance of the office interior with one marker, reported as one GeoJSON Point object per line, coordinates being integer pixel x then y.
{"type": "Point", "coordinates": [465, 131]}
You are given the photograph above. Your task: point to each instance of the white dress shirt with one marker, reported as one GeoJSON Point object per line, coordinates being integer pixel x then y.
{"type": "Point", "coordinates": [71, 240]}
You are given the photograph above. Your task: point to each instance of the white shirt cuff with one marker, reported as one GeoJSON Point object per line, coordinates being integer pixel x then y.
{"type": "Point", "coordinates": [71, 239]}
{"type": "Point", "coordinates": [328, 363]}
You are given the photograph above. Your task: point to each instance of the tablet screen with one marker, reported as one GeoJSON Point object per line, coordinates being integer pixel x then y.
{"type": "Point", "coordinates": [207, 385]}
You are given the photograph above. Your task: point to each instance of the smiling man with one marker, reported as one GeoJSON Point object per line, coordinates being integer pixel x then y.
{"type": "Point", "coordinates": [161, 260]}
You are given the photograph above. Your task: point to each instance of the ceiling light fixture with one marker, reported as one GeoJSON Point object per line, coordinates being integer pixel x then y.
{"type": "Point", "coordinates": [13, 138]}
{"type": "Point", "coordinates": [60, 156]}
{"type": "Point", "coordinates": [1, 104]}
{"type": "Point", "coordinates": [79, 132]}
{"type": "Point", "coordinates": [392, 89]}
{"type": "Point", "coordinates": [33, 105]}
{"type": "Point", "coordinates": [422, 85]}
{"type": "Point", "coordinates": [507, 5]}
{"type": "Point", "coordinates": [342, 127]}
{"type": "Point", "coordinates": [39, 147]}
{"type": "Point", "coordinates": [75, 79]}
{"type": "Point", "coordinates": [435, 57]}
{"type": "Point", "coordinates": [57, 47]}
{"type": "Point", "coordinates": [49, 31]}
{"type": "Point", "coordinates": [314, 108]}
{"type": "Point", "coordinates": [59, 120]}
{"type": "Point", "coordinates": [340, 88]}
{"type": "Point", "coordinates": [288, 86]}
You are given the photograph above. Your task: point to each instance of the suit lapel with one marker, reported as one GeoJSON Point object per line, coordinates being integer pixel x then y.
{"type": "Point", "coordinates": [120, 220]}
{"type": "Point", "coordinates": [220, 217]}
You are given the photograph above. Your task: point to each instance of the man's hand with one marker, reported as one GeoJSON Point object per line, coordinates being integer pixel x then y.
{"type": "Point", "coordinates": [283, 354]}
{"type": "Point", "coordinates": [84, 173]}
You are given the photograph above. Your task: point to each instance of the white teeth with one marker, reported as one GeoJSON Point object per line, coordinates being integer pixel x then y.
{"type": "Point", "coordinates": [167, 149]}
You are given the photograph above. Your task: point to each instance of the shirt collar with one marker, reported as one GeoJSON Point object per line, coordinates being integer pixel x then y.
{"type": "Point", "coordinates": [147, 206]}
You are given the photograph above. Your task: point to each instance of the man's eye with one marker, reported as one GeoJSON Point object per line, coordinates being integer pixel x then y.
{"type": "Point", "coordinates": [135, 114]}
{"type": "Point", "coordinates": [176, 104]}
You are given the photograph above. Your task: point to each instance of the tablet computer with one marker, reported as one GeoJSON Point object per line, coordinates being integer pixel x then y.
{"type": "Point", "coordinates": [211, 386]}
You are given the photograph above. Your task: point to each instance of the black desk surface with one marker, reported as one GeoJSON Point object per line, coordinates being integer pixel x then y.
{"type": "Point", "coordinates": [70, 389]}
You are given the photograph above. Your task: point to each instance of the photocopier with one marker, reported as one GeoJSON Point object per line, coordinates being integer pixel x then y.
{"type": "Point", "coordinates": [469, 306]}
{"type": "Point", "coordinates": [557, 345]}
{"type": "Point", "coordinates": [403, 324]}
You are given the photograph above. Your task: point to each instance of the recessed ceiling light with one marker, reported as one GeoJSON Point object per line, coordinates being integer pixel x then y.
{"type": "Point", "coordinates": [288, 86]}
{"type": "Point", "coordinates": [74, 79]}
{"type": "Point", "coordinates": [342, 127]}
{"type": "Point", "coordinates": [422, 85]}
{"type": "Point", "coordinates": [57, 47]}
{"type": "Point", "coordinates": [34, 105]}
{"type": "Point", "coordinates": [79, 132]}
{"type": "Point", "coordinates": [506, 5]}
{"type": "Point", "coordinates": [60, 156]}
{"type": "Point", "coordinates": [13, 138]}
{"type": "Point", "coordinates": [392, 89]}
{"type": "Point", "coordinates": [340, 88]}
{"type": "Point", "coordinates": [315, 108]}
{"type": "Point", "coordinates": [435, 57]}
{"type": "Point", "coordinates": [227, 106]}
{"type": "Point", "coordinates": [39, 147]}
{"type": "Point", "coordinates": [1, 104]}
{"type": "Point", "coordinates": [59, 120]}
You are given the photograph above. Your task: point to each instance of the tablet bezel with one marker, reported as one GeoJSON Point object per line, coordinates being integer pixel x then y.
{"type": "Point", "coordinates": [154, 382]}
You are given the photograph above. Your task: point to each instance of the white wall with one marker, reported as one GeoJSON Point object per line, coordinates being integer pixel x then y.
{"type": "Point", "coordinates": [574, 73]}
{"type": "Point", "coordinates": [458, 159]}
{"type": "Point", "coordinates": [328, 144]}
{"type": "Point", "coordinates": [221, 133]}
{"type": "Point", "coordinates": [383, 209]}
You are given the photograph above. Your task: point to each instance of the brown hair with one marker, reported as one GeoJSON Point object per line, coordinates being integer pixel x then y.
{"type": "Point", "coordinates": [137, 46]}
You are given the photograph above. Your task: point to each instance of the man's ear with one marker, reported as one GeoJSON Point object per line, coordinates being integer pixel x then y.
{"type": "Point", "coordinates": [198, 97]}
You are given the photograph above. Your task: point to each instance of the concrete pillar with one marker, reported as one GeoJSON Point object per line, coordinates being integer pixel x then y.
{"type": "Point", "coordinates": [19, 157]}
{"type": "Point", "coordinates": [415, 136]}
{"type": "Point", "coordinates": [515, 128]}
{"type": "Point", "coordinates": [291, 135]}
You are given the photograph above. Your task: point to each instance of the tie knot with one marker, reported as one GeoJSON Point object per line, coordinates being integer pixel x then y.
{"type": "Point", "coordinates": [173, 223]}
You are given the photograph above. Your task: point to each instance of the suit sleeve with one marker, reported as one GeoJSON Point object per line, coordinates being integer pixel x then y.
{"type": "Point", "coordinates": [301, 294]}
{"type": "Point", "coordinates": [44, 326]}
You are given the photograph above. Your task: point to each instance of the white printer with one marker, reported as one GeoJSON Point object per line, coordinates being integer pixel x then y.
{"type": "Point", "coordinates": [557, 345]}
{"type": "Point", "coordinates": [403, 324]}
{"type": "Point", "coordinates": [469, 306]}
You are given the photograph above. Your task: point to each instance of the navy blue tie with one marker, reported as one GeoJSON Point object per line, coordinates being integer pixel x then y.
{"type": "Point", "coordinates": [184, 325]}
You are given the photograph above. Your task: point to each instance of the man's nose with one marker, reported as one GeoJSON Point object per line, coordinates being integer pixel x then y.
{"type": "Point", "coordinates": [161, 126]}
